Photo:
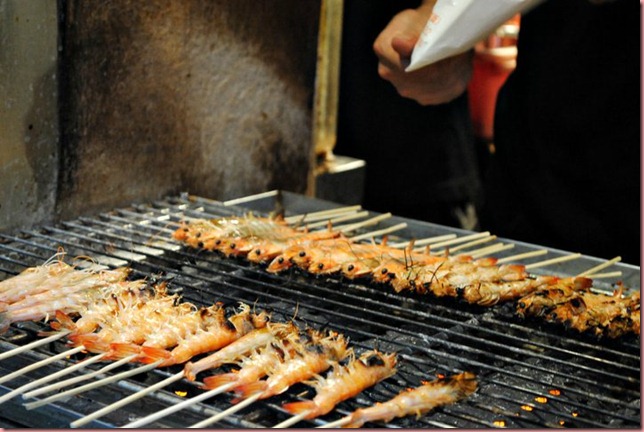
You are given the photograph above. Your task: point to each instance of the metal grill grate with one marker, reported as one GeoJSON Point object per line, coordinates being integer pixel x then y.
{"type": "Point", "coordinates": [530, 375]}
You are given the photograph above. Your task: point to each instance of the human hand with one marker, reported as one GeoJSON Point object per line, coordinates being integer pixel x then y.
{"type": "Point", "coordinates": [434, 84]}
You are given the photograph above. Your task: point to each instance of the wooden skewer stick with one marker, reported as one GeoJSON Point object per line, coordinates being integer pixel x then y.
{"type": "Point", "coordinates": [92, 385]}
{"type": "Point", "coordinates": [383, 231]}
{"type": "Point", "coordinates": [321, 214]}
{"type": "Point", "coordinates": [606, 275]}
{"type": "Point", "coordinates": [22, 389]}
{"type": "Point", "coordinates": [425, 241]}
{"type": "Point", "coordinates": [247, 198]}
{"type": "Point", "coordinates": [74, 380]}
{"type": "Point", "coordinates": [469, 244]}
{"type": "Point", "coordinates": [521, 256]}
{"type": "Point", "coordinates": [41, 363]}
{"type": "Point", "coordinates": [233, 409]}
{"type": "Point", "coordinates": [116, 405]}
{"type": "Point", "coordinates": [324, 218]}
{"type": "Point", "coordinates": [368, 222]}
{"type": "Point", "coordinates": [34, 344]}
{"type": "Point", "coordinates": [336, 424]}
{"type": "Point", "coordinates": [291, 421]}
{"type": "Point", "coordinates": [344, 218]}
{"type": "Point", "coordinates": [553, 261]}
{"type": "Point", "coordinates": [491, 249]}
{"type": "Point", "coordinates": [602, 266]}
{"type": "Point", "coordinates": [457, 240]}
{"type": "Point", "coordinates": [181, 405]}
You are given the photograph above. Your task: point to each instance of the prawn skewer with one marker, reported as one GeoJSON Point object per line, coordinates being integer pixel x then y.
{"type": "Point", "coordinates": [70, 295]}
{"type": "Point", "coordinates": [219, 333]}
{"type": "Point", "coordinates": [315, 357]}
{"type": "Point", "coordinates": [342, 383]}
{"type": "Point", "coordinates": [583, 310]}
{"type": "Point", "coordinates": [73, 282]}
{"type": "Point", "coordinates": [418, 401]}
{"type": "Point", "coordinates": [31, 276]}
{"type": "Point", "coordinates": [310, 356]}
{"type": "Point", "coordinates": [252, 368]}
{"type": "Point", "coordinates": [257, 364]}
{"type": "Point", "coordinates": [31, 280]}
{"type": "Point", "coordinates": [229, 353]}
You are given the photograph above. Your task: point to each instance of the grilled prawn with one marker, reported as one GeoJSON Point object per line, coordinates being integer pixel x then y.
{"type": "Point", "coordinates": [571, 302]}
{"type": "Point", "coordinates": [218, 332]}
{"type": "Point", "coordinates": [245, 344]}
{"type": "Point", "coordinates": [252, 367]}
{"type": "Point", "coordinates": [315, 354]}
{"type": "Point", "coordinates": [262, 361]}
{"type": "Point", "coordinates": [417, 401]}
{"type": "Point", "coordinates": [131, 323]}
{"type": "Point", "coordinates": [345, 382]}
{"type": "Point", "coordinates": [67, 294]}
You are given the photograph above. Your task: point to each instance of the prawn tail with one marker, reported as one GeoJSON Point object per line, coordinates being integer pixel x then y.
{"type": "Point", "coordinates": [121, 350]}
{"type": "Point", "coordinates": [91, 342]}
{"type": "Point", "coordinates": [250, 389]}
{"type": "Point", "coordinates": [3, 306]}
{"type": "Point", "coordinates": [152, 354]}
{"type": "Point", "coordinates": [62, 321]}
{"type": "Point", "coordinates": [213, 382]}
{"type": "Point", "coordinates": [297, 408]}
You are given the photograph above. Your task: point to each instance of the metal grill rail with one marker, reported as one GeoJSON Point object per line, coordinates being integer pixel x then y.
{"type": "Point", "coordinates": [530, 375]}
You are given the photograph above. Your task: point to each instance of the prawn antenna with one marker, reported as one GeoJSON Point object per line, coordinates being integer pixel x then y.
{"type": "Point", "coordinates": [297, 309]}
{"type": "Point", "coordinates": [58, 256]}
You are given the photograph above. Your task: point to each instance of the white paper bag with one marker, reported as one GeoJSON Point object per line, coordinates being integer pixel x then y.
{"type": "Point", "coordinates": [457, 25]}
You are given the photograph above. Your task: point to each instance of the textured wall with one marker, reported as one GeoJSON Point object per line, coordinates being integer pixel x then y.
{"type": "Point", "coordinates": [28, 111]}
{"type": "Point", "coordinates": [163, 96]}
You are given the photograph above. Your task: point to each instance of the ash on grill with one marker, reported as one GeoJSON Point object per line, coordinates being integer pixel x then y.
{"type": "Point", "coordinates": [531, 374]}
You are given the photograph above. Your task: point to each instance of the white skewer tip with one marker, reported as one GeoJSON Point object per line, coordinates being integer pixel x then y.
{"type": "Point", "coordinates": [291, 421]}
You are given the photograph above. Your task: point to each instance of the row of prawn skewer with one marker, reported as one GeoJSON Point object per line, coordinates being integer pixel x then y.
{"type": "Point", "coordinates": [279, 246]}
{"type": "Point", "coordinates": [106, 314]}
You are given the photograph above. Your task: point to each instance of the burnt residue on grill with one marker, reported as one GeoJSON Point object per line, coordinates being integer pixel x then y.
{"type": "Point", "coordinates": [531, 375]}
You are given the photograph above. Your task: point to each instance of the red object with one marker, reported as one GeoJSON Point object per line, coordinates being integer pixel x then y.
{"type": "Point", "coordinates": [491, 68]}
{"type": "Point", "coordinates": [494, 59]}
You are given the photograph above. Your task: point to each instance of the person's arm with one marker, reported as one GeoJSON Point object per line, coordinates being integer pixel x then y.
{"type": "Point", "coordinates": [435, 84]}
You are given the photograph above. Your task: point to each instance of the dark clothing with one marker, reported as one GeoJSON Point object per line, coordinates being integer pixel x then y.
{"type": "Point", "coordinates": [566, 172]}
{"type": "Point", "coordinates": [421, 161]}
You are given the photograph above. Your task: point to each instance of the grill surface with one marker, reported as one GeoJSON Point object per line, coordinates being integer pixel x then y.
{"type": "Point", "coordinates": [531, 375]}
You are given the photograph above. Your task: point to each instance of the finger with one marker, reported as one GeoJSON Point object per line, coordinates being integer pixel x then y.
{"type": "Point", "coordinates": [386, 55]}
{"type": "Point", "coordinates": [404, 46]}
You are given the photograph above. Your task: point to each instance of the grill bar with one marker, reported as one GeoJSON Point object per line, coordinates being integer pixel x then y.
{"type": "Point", "coordinates": [516, 363]}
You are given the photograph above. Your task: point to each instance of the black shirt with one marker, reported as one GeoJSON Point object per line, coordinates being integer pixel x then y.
{"type": "Point", "coordinates": [421, 160]}
{"type": "Point", "coordinates": [566, 172]}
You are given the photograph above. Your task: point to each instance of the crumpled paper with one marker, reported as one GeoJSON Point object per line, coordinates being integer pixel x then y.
{"type": "Point", "coordinates": [457, 25]}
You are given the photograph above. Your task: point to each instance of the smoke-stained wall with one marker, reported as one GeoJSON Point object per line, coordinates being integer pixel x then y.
{"type": "Point", "coordinates": [212, 97]}
{"type": "Point", "coordinates": [29, 128]}
{"type": "Point", "coordinates": [163, 96]}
